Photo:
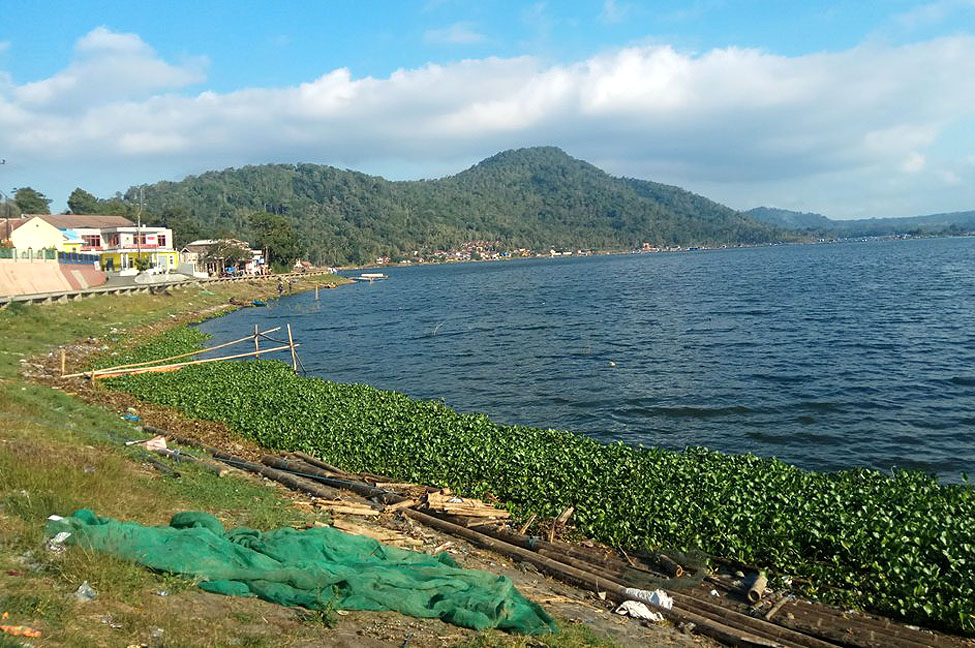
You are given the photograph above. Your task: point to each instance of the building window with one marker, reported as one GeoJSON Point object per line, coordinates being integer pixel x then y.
{"type": "Point", "coordinates": [161, 238]}
{"type": "Point", "coordinates": [92, 240]}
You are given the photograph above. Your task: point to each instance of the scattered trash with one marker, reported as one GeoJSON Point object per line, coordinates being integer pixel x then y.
{"type": "Point", "coordinates": [161, 593]}
{"type": "Point", "coordinates": [21, 631]}
{"type": "Point", "coordinates": [132, 417]}
{"type": "Point", "coordinates": [638, 610]}
{"type": "Point", "coordinates": [155, 636]}
{"type": "Point", "coordinates": [714, 592]}
{"type": "Point", "coordinates": [85, 592]}
{"type": "Point", "coordinates": [657, 597]}
{"type": "Point", "coordinates": [88, 469]}
{"type": "Point", "coordinates": [688, 628]}
{"type": "Point", "coordinates": [56, 544]}
{"type": "Point", "coordinates": [131, 410]}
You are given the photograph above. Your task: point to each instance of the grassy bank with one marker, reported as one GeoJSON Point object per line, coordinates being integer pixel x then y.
{"type": "Point", "coordinates": [900, 544]}
{"type": "Point", "coordinates": [59, 453]}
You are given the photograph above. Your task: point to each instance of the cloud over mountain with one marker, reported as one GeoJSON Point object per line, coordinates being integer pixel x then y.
{"type": "Point", "coordinates": [735, 118]}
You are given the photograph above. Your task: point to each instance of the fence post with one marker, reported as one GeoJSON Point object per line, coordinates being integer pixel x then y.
{"type": "Point", "coordinates": [294, 357]}
{"type": "Point", "coordinates": [257, 345]}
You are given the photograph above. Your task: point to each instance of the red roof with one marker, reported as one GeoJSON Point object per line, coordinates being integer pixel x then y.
{"type": "Point", "coordinates": [71, 221]}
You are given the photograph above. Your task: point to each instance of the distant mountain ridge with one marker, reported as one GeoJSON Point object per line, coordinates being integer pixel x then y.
{"type": "Point", "coordinates": [947, 223]}
{"type": "Point", "coordinates": [525, 198]}
{"type": "Point", "coordinates": [789, 219]}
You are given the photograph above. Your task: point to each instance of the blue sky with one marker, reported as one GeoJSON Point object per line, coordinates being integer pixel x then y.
{"type": "Point", "coordinates": [853, 109]}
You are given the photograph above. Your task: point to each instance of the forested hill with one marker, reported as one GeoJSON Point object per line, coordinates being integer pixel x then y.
{"type": "Point", "coordinates": [790, 219]}
{"type": "Point", "coordinates": [528, 198]}
{"type": "Point", "coordinates": [950, 223]}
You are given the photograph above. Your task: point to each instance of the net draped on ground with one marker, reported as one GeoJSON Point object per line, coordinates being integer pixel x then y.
{"type": "Point", "coordinates": [312, 568]}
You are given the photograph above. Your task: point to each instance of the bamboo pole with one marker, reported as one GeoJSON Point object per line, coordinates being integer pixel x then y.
{"type": "Point", "coordinates": [180, 365]}
{"type": "Point", "coordinates": [316, 291]}
{"type": "Point", "coordinates": [175, 357]}
{"type": "Point", "coordinates": [257, 345]}
{"type": "Point", "coordinates": [291, 343]}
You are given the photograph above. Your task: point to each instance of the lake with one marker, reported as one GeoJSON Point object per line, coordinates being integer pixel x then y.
{"type": "Point", "coordinates": [826, 356]}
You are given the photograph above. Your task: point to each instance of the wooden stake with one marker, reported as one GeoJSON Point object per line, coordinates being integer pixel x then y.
{"type": "Point", "coordinates": [180, 365]}
{"type": "Point", "coordinates": [257, 345]}
{"type": "Point", "coordinates": [291, 343]}
{"type": "Point", "coordinates": [316, 292]}
{"type": "Point", "coordinates": [63, 360]}
{"type": "Point", "coordinates": [175, 357]}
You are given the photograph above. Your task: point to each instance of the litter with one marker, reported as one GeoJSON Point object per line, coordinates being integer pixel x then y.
{"type": "Point", "coordinates": [21, 631]}
{"type": "Point", "coordinates": [134, 418]}
{"type": "Point", "coordinates": [85, 592]}
{"type": "Point", "coordinates": [638, 610]}
{"type": "Point", "coordinates": [56, 544]}
{"type": "Point", "coordinates": [657, 597]}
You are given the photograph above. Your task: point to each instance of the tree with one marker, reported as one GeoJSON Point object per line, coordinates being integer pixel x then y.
{"type": "Point", "coordinates": [9, 209]}
{"type": "Point", "coordinates": [31, 201]}
{"type": "Point", "coordinates": [228, 253]}
{"type": "Point", "coordinates": [82, 202]}
{"type": "Point", "coordinates": [276, 234]}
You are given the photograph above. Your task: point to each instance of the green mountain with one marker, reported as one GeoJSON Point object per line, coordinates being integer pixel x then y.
{"type": "Point", "coordinates": [950, 223]}
{"type": "Point", "coordinates": [790, 219]}
{"type": "Point", "coordinates": [533, 198]}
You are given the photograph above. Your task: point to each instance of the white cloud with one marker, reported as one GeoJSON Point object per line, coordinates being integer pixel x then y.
{"type": "Point", "coordinates": [109, 66]}
{"type": "Point", "coordinates": [740, 125]}
{"type": "Point", "coordinates": [612, 12]}
{"type": "Point", "coordinates": [461, 33]}
{"type": "Point", "coordinates": [931, 13]}
{"type": "Point", "coordinates": [913, 163]}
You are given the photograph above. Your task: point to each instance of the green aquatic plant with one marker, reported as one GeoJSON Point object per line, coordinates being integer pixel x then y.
{"type": "Point", "coordinates": [901, 544]}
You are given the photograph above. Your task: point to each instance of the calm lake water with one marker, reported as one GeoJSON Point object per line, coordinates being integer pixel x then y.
{"type": "Point", "coordinates": [826, 356]}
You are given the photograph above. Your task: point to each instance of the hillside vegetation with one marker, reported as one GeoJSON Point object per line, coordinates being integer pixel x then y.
{"type": "Point", "coordinates": [951, 223]}
{"type": "Point", "coordinates": [528, 198]}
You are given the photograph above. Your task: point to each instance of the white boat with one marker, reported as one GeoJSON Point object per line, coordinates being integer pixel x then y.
{"type": "Point", "coordinates": [370, 276]}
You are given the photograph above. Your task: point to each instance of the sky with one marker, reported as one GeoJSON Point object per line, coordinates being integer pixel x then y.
{"type": "Point", "coordinates": [851, 109]}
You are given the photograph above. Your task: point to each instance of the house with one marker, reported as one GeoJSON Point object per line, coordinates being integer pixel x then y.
{"type": "Point", "coordinates": [202, 257]}
{"type": "Point", "coordinates": [31, 234]}
{"type": "Point", "coordinates": [118, 241]}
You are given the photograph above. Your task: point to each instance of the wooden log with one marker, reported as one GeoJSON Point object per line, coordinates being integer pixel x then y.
{"type": "Point", "coordinates": [524, 527]}
{"type": "Point", "coordinates": [775, 608]}
{"type": "Point", "coordinates": [757, 589]}
{"type": "Point", "coordinates": [291, 481]}
{"type": "Point", "coordinates": [314, 461]}
{"type": "Point", "coordinates": [615, 591]}
{"type": "Point", "coordinates": [180, 457]}
{"type": "Point", "coordinates": [158, 465]}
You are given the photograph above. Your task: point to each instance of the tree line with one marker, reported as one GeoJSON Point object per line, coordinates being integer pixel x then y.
{"type": "Point", "coordinates": [533, 198]}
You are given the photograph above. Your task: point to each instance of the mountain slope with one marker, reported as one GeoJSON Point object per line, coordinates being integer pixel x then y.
{"type": "Point", "coordinates": [536, 198]}
{"type": "Point", "coordinates": [789, 219]}
{"type": "Point", "coordinates": [950, 223]}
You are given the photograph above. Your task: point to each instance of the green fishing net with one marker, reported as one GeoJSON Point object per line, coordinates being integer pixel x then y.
{"type": "Point", "coordinates": [312, 568]}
